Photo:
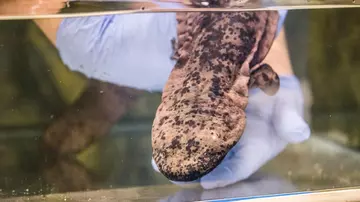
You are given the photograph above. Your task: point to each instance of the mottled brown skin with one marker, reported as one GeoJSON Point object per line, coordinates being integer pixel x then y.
{"type": "Point", "coordinates": [201, 116]}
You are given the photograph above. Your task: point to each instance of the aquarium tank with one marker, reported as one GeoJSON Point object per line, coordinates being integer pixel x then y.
{"type": "Point", "coordinates": [176, 100]}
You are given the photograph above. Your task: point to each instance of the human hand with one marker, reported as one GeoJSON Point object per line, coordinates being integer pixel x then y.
{"type": "Point", "coordinates": [272, 123]}
{"type": "Point", "coordinates": [131, 50]}
{"type": "Point", "coordinates": [126, 50]}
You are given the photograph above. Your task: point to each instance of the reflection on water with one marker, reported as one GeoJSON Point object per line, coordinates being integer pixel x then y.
{"type": "Point", "coordinates": [63, 132]}
{"type": "Point", "coordinates": [26, 171]}
{"type": "Point", "coordinates": [319, 165]}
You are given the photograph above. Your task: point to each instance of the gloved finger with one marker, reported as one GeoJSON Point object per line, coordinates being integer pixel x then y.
{"type": "Point", "coordinates": [287, 117]}
{"type": "Point", "coordinates": [267, 107]}
{"type": "Point", "coordinates": [186, 184]}
{"type": "Point", "coordinates": [155, 167]}
{"type": "Point", "coordinates": [289, 125]}
{"type": "Point", "coordinates": [258, 145]}
{"type": "Point", "coordinates": [128, 50]}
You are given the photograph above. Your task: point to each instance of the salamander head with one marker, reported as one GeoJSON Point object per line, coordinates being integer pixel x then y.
{"type": "Point", "coordinates": [190, 142]}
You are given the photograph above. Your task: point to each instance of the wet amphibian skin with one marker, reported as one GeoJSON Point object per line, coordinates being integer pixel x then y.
{"type": "Point", "coordinates": [201, 115]}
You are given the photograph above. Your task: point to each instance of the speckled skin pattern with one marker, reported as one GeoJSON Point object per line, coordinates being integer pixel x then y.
{"type": "Point", "coordinates": [201, 116]}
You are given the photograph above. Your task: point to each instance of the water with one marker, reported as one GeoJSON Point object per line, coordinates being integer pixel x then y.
{"type": "Point", "coordinates": [41, 84]}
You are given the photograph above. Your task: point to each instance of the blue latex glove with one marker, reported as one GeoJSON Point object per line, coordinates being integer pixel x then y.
{"type": "Point", "coordinates": [130, 50]}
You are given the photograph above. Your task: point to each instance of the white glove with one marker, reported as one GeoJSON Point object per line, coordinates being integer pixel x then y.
{"type": "Point", "coordinates": [272, 123]}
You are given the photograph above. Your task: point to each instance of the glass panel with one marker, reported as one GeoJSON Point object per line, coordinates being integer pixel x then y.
{"type": "Point", "coordinates": [232, 104]}
{"type": "Point", "coordinates": [34, 9]}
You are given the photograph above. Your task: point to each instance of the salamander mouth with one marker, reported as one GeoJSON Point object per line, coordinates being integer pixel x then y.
{"type": "Point", "coordinates": [191, 158]}
{"type": "Point", "coordinates": [198, 169]}
{"type": "Point", "coordinates": [195, 142]}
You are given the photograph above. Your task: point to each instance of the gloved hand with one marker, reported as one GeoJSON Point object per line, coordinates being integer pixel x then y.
{"type": "Point", "coordinates": [131, 50]}
{"type": "Point", "coordinates": [272, 123]}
